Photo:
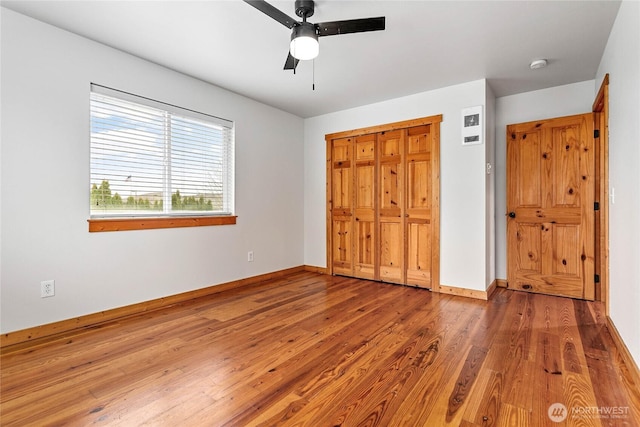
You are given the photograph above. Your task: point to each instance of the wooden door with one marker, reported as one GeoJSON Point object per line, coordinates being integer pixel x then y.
{"type": "Point", "coordinates": [550, 206]}
{"type": "Point", "coordinates": [383, 188]}
{"type": "Point", "coordinates": [418, 206]}
{"type": "Point", "coordinates": [391, 179]}
{"type": "Point", "coordinates": [365, 234]}
{"type": "Point", "coordinates": [342, 206]}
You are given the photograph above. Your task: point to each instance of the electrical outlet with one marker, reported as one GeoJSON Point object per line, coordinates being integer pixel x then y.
{"type": "Point", "coordinates": [47, 288]}
{"type": "Point", "coordinates": [250, 256]}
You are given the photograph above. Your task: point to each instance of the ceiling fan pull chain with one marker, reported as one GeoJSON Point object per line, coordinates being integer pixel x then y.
{"type": "Point", "coordinates": [313, 84]}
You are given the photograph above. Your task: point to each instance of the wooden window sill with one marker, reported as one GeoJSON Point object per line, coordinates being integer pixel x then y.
{"type": "Point", "coordinates": [126, 224]}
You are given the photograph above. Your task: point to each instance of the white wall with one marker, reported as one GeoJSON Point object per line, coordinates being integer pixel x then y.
{"type": "Point", "coordinates": [45, 184]}
{"type": "Point", "coordinates": [462, 202]}
{"type": "Point", "coordinates": [576, 98]}
{"type": "Point", "coordinates": [621, 60]}
{"type": "Point", "coordinates": [490, 186]}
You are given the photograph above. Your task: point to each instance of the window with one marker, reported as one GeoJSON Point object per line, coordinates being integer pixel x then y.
{"type": "Point", "coordinates": [151, 159]}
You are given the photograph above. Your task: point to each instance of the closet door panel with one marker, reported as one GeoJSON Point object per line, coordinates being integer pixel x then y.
{"type": "Point", "coordinates": [342, 246]}
{"type": "Point", "coordinates": [419, 185]}
{"type": "Point", "coordinates": [365, 248]}
{"type": "Point", "coordinates": [418, 210]}
{"type": "Point", "coordinates": [419, 254]}
{"type": "Point", "coordinates": [342, 178]}
{"type": "Point", "coordinates": [391, 206]}
{"type": "Point", "coordinates": [365, 208]}
{"type": "Point", "coordinates": [342, 206]}
{"type": "Point", "coordinates": [391, 191]}
{"type": "Point", "coordinates": [391, 251]}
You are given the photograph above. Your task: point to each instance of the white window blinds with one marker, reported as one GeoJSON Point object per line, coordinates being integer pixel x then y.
{"type": "Point", "coordinates": [149, 158]}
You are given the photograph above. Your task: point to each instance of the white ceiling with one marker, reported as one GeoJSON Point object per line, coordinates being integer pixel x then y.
{"type": "Point", "coordinates": [426, 45]}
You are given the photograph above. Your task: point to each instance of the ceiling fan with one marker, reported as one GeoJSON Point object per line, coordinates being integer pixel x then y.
{"type": "Point", "coordinates": [304, 36]}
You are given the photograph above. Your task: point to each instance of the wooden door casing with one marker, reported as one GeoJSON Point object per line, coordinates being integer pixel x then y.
{"type": "Point", "coordinates": [601, 125]}
{"type": "Point", "coordinates": [550, 204]}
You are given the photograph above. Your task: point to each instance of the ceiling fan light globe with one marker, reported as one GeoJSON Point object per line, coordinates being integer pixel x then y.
{"type": "Point", "coordinates": [304, 41]}
{"type": "Point", "coordinates": [304, 48]}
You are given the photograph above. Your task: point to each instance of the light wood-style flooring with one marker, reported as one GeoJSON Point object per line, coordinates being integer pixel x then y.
{"type": "Point", "coordinates": [315, 350]}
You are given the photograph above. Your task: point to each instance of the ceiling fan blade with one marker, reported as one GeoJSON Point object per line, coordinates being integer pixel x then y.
{"type": "Point", "coordinates": [291, 63]}
{"type": "Point", "coordinates": [350, 26]}
{"type": "Point", "coordinates": [272, 12]}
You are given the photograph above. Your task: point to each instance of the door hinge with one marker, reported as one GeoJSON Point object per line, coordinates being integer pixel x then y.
{"type": "Point", "coordinates": [596, 133]}
{"type": "Point", "coordinates": [596, 278]}
{"type": "Point", "coordinates": [596, 206]}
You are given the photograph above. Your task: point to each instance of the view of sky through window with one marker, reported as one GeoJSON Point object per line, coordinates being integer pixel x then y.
{"type": "Point", "coordinates": [146, 159]}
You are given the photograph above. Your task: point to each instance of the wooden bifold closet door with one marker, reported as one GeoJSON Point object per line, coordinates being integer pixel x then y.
{"type": "Point", "coordinates": [383, 202]}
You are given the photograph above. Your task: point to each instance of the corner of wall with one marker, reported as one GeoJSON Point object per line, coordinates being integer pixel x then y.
{"type": "Point", "coordinates": [621, 59]}
{"type": "Point", "coordinates": [490, 186]}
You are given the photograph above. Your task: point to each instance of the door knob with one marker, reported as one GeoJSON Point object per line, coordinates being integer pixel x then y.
{"type": "Point", "coordinates": [512, 214]}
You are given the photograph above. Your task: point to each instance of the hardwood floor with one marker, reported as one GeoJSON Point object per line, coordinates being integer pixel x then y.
{"type": "Point", "coordinates": [315, 350]}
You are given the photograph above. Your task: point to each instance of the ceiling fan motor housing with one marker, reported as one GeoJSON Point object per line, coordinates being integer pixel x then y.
{"type": "Point", "coordinates": [304, 8]}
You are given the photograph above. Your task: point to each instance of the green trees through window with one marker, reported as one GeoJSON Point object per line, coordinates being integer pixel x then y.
{"type": "Point", "coordinates": [151, 159]}
{"type": "Point", "coordinates": [102, 198]}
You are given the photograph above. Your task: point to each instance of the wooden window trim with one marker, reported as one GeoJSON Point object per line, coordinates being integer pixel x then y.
{"type": "Point", "coordinates": [127, 224]}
